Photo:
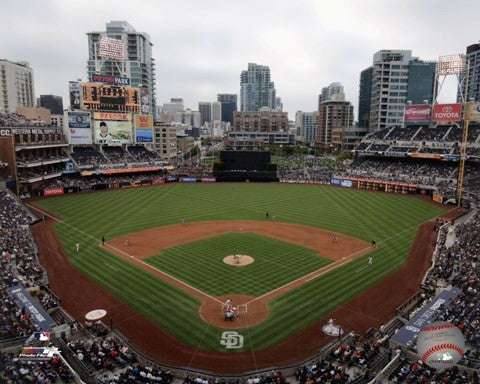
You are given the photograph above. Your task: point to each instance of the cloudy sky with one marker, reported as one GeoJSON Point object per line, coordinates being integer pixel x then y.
{"type": "Point", "coordinates": [201, 46]}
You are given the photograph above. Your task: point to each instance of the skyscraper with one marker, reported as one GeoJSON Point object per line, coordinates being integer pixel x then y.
{"type": "Point", "coordinates": [205, 109]}
{"type": "Point", "coordinates": [16, 86]}
{"type": "Point", "coordinates": [335, 113]}
{"type": "Point", "coordinates": [138, 63]}
{"type": "Point", "coordinates": [396, 77]}
{"type": "Point", "coordinates": [53, 103]}
{"type": "Point", "coordinates": [364, 98]}
{"type": "Point", "coordinates": [473, 65]}
{"type": "Point", "coordinates": [229, 105]}
{"type": "Point", "coordinates": [216, 111]}
{"type": "Point", "coordinates": [256, 89]}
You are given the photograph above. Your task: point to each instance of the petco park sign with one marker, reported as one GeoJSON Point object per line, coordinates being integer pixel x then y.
{"type": "Point", "coordinates": [447, 112]}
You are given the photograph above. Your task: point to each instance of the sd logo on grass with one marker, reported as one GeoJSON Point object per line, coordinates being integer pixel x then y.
{"type": "Point", "coordinates": [232, 340]}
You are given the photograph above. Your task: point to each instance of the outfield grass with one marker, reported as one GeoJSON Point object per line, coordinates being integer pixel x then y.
{"type": "Point", "coordinates": [390, 220]}
{"type": "Point", "coordinates": [201, 265]}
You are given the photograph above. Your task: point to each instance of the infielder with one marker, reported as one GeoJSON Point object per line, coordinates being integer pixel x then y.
{"type": "Point", "coordinates": [77, 247]}
{"type": "Point", "coordinates": [370, 260]}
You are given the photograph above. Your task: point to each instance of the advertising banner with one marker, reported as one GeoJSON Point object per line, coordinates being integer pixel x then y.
{"type": "Point", "coordinates": [143, 128]}
{"type": "Point", "coordinates": [79, 127]}
{"type": "Point", "coordinates": [447, 112]}
{"type": "Point", "coordinates": [472, 111]}
{"type": "Point", "coordinates": [113, 80]}
{"type": "Point", "coordinates": [38, 316]}
{"type": "Point", "coordinates": [437, 198]}
{"type": "Point", "coordinates": [74, 91]}
{"type": "Point", "coordinates": [208, 179]}
{"type": "Point", "coordinates": [112, 116]}
{"type": "Point", "coordinates": [417, 113]}
{"type": "Point", "coordinates": [143, 135]}
{"type": "Point", "coordinates": [341, 182]}
{"type": "Point", "coordinates": [101, 97]}
{"type": "Point", "coordinates": [52, 191]}
{"type": "Point", "coordinates": [113, 132]}
{"type": "Point", "coordinates": [188, 179]}
{"type": "Point", "coordinates": [145, 100]}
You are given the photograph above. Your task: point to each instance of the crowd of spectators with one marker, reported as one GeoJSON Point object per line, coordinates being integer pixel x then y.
{"type": "Point", "coordinates": [88, 156]}
{"type": "Point", "coordinates": [139, 374]}
{"type": "Point", "coordinates": [322, 372]}
{"type": "Point", "coordinates": [40, 157]}
{"type": "Point", "coordinates": [75, 180]}
{"type": "Point", "coordinates": [402, 133]}
{"type": "Point", "coordinates": [435, 134]}
{"type": "Point", "coordinates": [16, 371]}
{"type": "Point", "coordinates": [140, 154]}
{"type": "Point", "coordinates": [16, 244]}
{"type": "Point", "coordinates": [305, 168]}
{"type": "Point", "coordinates": [16, 120]}
{"type": "Point", "coordinates": [196, 169]}
{"type": "Point", "coordinates": [18, 264]}
{"type": "Point", "coordinates": [108, 353]}
{"type": "Point", "coordinates": [417, 372]}
{"type": "Point", "coordinates": [401, 170]}
{"type": "Point", "coordinates": [116, 155]}
{"type": "Point", "coordinates": [41, 171]}
{"type": "Point", "coordinates": [358, 352]}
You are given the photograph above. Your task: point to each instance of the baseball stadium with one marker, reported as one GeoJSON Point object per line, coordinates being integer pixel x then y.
{"type": "Point", "coordinates": [235, 260]}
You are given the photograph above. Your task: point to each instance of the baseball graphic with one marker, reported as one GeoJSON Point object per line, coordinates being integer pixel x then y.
{"type": "Point", "coordinates": [440, 344]}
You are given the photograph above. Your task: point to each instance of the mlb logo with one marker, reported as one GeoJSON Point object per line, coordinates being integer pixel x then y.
{"type": "Point", "coordinates": [41, 336]}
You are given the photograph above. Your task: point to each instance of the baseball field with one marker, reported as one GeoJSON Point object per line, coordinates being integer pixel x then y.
{"type": "Point", "coordinates": [179, 235]}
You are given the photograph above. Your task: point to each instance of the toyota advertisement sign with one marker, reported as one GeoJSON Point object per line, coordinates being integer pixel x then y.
{"type": "Point", "coordinates": [447, 112]}
{"type": "Point", "coordinates": [417, 113]}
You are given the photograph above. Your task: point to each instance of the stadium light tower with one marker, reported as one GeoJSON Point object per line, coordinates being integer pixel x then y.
{"type": "Point", "coordinates": [455, 65]}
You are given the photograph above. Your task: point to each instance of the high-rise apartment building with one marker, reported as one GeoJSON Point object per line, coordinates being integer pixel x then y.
{"type": "Point", "coordinates": [473, 65]}
{"type": "Point", "coordinates": [16, 86]}
{"type": "Point", "coordinates": [336, 113]}
{"type": "Point", "coordinates": [256, 88]}
{"type": "Point", "coordinates": [137, 64]}
{"type": "Point", "coordinates": [216, 111]}
{"type": "Point", "coordinates": [307, 125]}
{"type": "Point", "coordinates": [329, 91]}
{"type": "Point", "coordinates": [365, 96]}
{"type": "Point", "coordinates": [396, 77]}
{"type": "Point", "coordinates": [265, 120]}
{"type": "Point", "coordinates": [205, 109]}
{"type": "Point", "coordinates": [229, 106]}
{"type": "Point", "coordinates": [53, 103]}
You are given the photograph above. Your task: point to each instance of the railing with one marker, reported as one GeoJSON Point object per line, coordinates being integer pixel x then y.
{"type": "Point", "coordinates": [78, 366]}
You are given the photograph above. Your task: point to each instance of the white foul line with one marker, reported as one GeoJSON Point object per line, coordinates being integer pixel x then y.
{"type": "Point", "coordinates": [108, 265]}
{"type": "Point", "coordinates": [361, 269]}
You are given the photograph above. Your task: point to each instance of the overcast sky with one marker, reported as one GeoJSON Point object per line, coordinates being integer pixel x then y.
{"type": "Point", "coordinates": [201, 46]}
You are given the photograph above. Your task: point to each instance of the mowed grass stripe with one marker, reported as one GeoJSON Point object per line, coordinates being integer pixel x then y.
{"type": "Point", "coordinates": [356, 213]}
{"type": "Point", "coordinates": [200, 263]}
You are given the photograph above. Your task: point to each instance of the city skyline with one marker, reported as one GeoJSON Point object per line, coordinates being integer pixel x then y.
{"type": "Point", "coordinates": [307, 45]}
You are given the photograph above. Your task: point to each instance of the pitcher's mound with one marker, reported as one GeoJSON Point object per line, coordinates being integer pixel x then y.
{"type": "Point", "coordinates": [238, 260]}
